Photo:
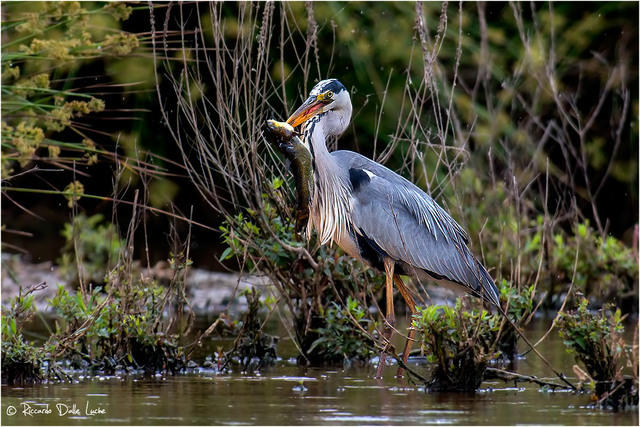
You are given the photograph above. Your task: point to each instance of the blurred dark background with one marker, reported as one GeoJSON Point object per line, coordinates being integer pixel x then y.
{"type": "Point", "coordinates": [368, 46]}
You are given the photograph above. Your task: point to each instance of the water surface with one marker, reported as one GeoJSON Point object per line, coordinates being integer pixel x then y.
{"type": "Point", "coordinates": [289, 394]}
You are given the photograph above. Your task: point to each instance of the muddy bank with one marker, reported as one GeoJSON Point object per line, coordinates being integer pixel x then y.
{"type": "Point", "coordinates": [208, 291]}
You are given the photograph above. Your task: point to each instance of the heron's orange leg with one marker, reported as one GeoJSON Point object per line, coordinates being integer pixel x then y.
{"type": "Point", "coordinates": [390, 320]}
{"type": "Point", "coordinates": [412, 332]}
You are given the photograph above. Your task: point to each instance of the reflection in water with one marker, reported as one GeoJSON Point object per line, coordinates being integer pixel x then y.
{"type": "Point", "coordinates": [288, 394]}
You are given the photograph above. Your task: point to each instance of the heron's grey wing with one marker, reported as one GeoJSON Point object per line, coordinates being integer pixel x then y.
{"type": "Point", "coordinates": [423, 207]}
{"type": "Point", "coordinates": [393, 216]}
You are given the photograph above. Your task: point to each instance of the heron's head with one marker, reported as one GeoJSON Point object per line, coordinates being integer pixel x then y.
{"type": "Point", "coordinates": [330, 99]}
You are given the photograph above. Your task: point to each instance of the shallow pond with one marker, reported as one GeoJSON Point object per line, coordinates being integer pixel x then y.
{"type": "Point", "coordinates": [288, 394]}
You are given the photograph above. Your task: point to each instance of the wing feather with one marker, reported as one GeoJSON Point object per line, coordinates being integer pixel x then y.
{"type": "Point", "coordinates": [411, 228]}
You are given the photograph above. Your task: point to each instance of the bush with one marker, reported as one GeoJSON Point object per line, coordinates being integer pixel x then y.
{"type": "Point", "coordinates": [110, 331]}
{"type": "Point", "coordinates": [21, 360]}
{"type": "Point", "coordinates": [120, 324]}
{"type": "Point", "coordinates": [459, 342]}
{"type": "Point", "coordinates": [340, 340]}
{"type": "Point", "coordinates": [253, 349]}
{"type": "Point", "coordinates": [605, 269]}
{"type": "Point", "coordinates": [596, 341]}
{"type": "Point", "coordinates": [268, 244]}
{"type": "Point", "coordinates": [520, 307]}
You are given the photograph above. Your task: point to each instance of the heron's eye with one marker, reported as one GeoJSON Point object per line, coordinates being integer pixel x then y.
{"type": "Point", "coordinates": [328, 95]}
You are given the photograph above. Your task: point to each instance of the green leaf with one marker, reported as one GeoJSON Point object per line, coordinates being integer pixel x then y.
{"type": "Point", "coordinates": [226, 254]}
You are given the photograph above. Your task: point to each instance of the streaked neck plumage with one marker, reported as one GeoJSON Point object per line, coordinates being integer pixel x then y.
{"type": "Point", "coordinates": [330, 196]}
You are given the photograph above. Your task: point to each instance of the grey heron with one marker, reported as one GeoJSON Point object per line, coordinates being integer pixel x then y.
{"type": "Point", "coordinates": [379, 217]}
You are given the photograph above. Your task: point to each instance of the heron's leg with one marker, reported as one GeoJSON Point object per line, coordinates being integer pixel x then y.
{"type": "Point", "coordinates": [412, 332]}
{"type": "Point", "coordinates": [390, 319]}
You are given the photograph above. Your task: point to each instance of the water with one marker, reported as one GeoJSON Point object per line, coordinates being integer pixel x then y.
{"type": "Point", "coordinates": [288, 394]}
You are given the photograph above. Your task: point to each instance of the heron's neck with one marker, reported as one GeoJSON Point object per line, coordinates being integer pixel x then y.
{"type": "Point", "coordinates": [316, 136]}
{"type": "Point", "coordinates": [330, 200]}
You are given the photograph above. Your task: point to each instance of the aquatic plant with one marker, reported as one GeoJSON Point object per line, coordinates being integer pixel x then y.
{"type": "Point", "coordinates": [519, 306]}
{"type": "Point", "coordinates": [339, 341]}
{"type": "Point", "coordinates": [459, 343]}
{"type": "Point", "coordinates": [595, 338]}
{"type": "Point", "coordinates": [253, 349]}
{"type": "Point", "coordinates": [120, 324]}
{"type": "Point", "coordinates": [107, 331]}
{"type": "Point", "coordinates": [21, 360]}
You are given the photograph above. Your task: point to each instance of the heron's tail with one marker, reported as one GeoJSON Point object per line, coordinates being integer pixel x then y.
{"type": "Point", "coordinates": [487, 289]}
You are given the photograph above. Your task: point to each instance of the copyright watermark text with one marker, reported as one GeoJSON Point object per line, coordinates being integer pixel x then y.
{"type": "Point", "coordinates": [32, 409]}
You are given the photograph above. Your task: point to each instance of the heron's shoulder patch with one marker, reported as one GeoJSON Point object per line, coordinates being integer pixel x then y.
{"type": "Point", "coordinates": [359, 177]}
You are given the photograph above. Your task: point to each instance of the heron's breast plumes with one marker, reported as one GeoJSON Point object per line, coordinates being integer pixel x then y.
{"type": "Point", "coordinates": [329, 208]}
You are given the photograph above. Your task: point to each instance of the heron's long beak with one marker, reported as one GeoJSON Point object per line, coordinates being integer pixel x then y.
{"type": "Point", "coordinates": [310, 108]}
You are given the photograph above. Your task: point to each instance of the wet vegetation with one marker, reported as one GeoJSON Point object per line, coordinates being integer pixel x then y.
{"type": "Point", "coordinates": [346, 336]}
{"type": "Point", "coordinates": [520, 119]}
{"type": "Point", "coordinates": [253, 349]}
{"type": "Point", "coordinates": [595, 340]}
{"type": "Point", "coordinates": [308, 284]}
{"type": "Point", "coordinates": [21, 359]}
{"type": "Point", "coordinates": [459, 342]}
{"type": "Point", "coordinates": [519, 306]}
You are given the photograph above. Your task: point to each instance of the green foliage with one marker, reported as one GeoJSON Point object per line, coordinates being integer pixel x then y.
{"type": "Point", "coordinates": [596, 341]}
{"type": "Point", "coordinates": [92, 246]}
{"type": "Point", "coordinates": [604, 267]}
{"type": "Point", "coordinates": [340, 340]}
{"type": "Point", "coordinates": [459, 342]}
{"type": "Point", "coordinates": [249, 236]}
{"type": "Point", "coordinates": [21, 360]}
{"type": "Point", "coordinates": [105, 331]}
{"type": "Point", "coordinates": [44, 44]}
{"type": "Point", "coordinates": [520, 302]}
{"type": "Point", "coordinates": [520, 307]}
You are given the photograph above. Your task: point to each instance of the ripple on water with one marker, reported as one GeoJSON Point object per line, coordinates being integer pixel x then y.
{"type": "Point", "coordinates": [296, 379]}
{"type": "Point", "coordinates": [358, 418]}
{"type": "Point", "coordinates": [362, 387]}
{"type": "Point", "coordinates": [321, 397]}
